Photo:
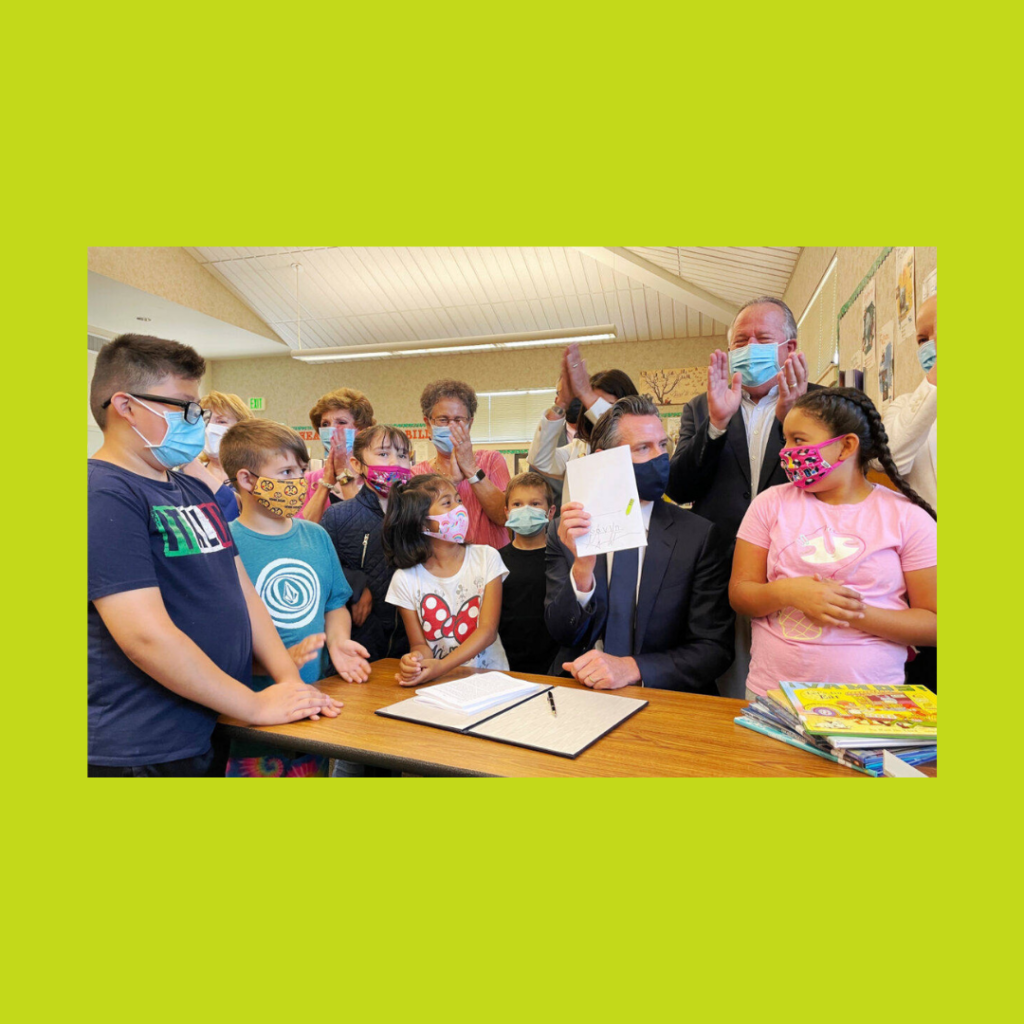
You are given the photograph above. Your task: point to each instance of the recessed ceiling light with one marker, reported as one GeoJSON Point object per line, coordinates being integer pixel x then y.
{"type": "Point", "coordinates": [144, 319]}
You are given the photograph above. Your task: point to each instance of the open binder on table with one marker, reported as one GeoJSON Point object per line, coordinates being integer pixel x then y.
{"type": "Point", "coordinates": [552, 719]}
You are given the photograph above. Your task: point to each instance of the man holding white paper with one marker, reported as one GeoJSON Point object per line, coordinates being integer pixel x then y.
{"type": "Point", "coordinates": [636, 587]}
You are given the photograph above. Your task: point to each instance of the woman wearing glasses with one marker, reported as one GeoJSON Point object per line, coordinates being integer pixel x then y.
{"type": "Point", "coordinates": [480, 477]}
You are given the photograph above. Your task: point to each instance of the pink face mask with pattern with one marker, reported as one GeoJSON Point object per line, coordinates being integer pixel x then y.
{"type": "Point", "coordinates": [452, 526]}
{"type": "Point", "coordinates": [803, 464]}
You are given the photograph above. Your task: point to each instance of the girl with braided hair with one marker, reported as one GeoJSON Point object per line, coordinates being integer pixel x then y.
{"type": "Point", "coordinates": [837, 573]}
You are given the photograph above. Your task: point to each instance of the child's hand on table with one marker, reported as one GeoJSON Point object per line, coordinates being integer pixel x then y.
{"type": "Point", "coordinates": [350, 661]}
{"type": "Point", "coordinates": [415, 669]}
{"type": "Point", "coordinates": [290, 701]}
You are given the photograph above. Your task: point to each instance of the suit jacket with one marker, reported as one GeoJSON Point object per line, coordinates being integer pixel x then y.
{"type": "Point", "coordinates": [683, 635]}
{"type": "Point", "coordinates": [715, 474]}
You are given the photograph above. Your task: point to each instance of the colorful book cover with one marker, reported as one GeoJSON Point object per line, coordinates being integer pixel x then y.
{"type": "Point", "coordinates": [865, 709]}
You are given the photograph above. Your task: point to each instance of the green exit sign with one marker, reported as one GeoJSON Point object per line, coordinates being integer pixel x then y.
{"type": "Point", "coordinates": [256, 405]}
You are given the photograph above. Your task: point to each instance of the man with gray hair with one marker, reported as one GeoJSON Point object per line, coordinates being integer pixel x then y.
{"type": "Point", "coordinates": [730, 437]}
{"type": "Point", "coordinates": [655, 616]}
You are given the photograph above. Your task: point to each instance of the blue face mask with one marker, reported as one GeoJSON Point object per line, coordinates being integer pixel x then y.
{"type": "Point", "coordinates": [182, 442]}
{"type": "Point", "coordinates": [442, 438]}
{"type": "Point", "coordinates": [526, 520]}
{"type": "Point", "coordinates": [927, 355]}
{"type": "Point", "coordinates": [756, 364]}
{"type": "Point", "coordinates": [327, 436]}
{"type": "Point", "coordinates": [651, 478]}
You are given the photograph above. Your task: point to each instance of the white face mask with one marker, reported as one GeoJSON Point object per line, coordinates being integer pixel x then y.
{"type": "Point", "coordinates": [214, 433]}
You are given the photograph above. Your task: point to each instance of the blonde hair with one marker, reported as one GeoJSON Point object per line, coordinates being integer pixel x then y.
{"type": "Point", "coordinates": [226, 405]}
{"type": "Point", "coordinates": [347, 400]}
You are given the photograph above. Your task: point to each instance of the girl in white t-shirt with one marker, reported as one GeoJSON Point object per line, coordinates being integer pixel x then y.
{"type": "Point", "coordinates": [447, 592]}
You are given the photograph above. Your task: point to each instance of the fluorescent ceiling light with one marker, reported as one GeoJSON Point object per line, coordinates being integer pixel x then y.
{"type": "Point", "coordinates": [447, 346]}
{"type": "Point", "coordinates": [525, 391]}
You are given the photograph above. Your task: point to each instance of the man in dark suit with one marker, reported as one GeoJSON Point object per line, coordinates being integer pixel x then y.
{"type": "Point", "coordinates": [730, 437]}
{"type": "Point", "coordinates": [657, 616]}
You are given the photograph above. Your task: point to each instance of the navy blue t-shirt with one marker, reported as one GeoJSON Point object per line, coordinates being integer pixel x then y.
{"type": "Point", "coordinates": [167, 534]}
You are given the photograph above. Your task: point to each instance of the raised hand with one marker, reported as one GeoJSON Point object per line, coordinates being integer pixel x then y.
{"type": "Point", "coordinates": [576, 367]}
{"type": "Point", "coordinates": [462, 451]}
{"type": "Point", "coordinates": [724, 397]}
{"type": "Point", "coordinates": [792, 383]}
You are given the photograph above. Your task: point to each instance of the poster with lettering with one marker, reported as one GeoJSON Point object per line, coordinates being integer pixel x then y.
{"type": "Point", "coordinates": [886, 367]}
{"type": "Point", "coordinates": [868, 306]}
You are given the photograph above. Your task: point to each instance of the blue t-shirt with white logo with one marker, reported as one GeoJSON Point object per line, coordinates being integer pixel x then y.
{"type": "Point", "coordinates": [299, 579]}
{"type": "Point", "coordinates": [169, 534]}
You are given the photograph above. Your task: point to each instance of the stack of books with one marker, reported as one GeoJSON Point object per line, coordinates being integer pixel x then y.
{"type": "Point", "coordinates": [852, 724]}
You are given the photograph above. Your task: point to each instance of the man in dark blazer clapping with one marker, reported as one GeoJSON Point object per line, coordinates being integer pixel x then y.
{"type": "Point", "coordinates": [656, 616]}
{"type": "Point", "coordinates": [730, 437]}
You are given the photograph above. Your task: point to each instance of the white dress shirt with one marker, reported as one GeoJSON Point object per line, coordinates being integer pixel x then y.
{"type": "Point", "coordinates": [546, 457]}
{"type": "Point", "coordinates": [758, 418]}
{"type": "Point", "coordinates": [910, 421]}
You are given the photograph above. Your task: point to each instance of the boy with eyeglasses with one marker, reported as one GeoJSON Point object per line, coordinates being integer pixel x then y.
{"type": "Point", "coordinates": [173, 619]}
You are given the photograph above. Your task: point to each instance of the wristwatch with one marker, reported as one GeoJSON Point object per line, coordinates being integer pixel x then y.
{"type": "Point", "coordinates": [477, 477]}
{"type": "Point", "coordinates": [558, 411]}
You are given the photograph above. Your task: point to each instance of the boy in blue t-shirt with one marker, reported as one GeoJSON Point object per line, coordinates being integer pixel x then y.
{"type": "Point", "coordinates": [173, 620]}
{"type": "Point", "coordinates": [295, 570]}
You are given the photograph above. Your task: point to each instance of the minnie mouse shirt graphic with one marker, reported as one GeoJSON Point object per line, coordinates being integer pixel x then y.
{"type": "Point", "coordinates": [448, 607]}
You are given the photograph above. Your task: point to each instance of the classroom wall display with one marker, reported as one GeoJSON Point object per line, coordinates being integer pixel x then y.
{"type": "Point", "coordinates": [868, 304]}
{"type": "Point", "coordinates": [888, 277]}
{"type": "Point", "coordinates": [674, 387]}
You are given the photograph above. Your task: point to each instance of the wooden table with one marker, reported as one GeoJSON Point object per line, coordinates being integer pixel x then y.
{"type": "Point", "coordinates": [679, 734]}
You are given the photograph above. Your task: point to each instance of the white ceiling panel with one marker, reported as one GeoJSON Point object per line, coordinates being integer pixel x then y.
{"type": "Point", "coordinates": [376, 295]}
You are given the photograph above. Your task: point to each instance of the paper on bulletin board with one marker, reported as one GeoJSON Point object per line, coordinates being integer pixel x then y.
{"type": "Point", "coordinates": [870, 317]}
{"type": "Point", "coordinates": [606, 487]}
{"type": "Point", "coordinates": [906, 326]}
{"type": "Point", "coordinates": [886, 367]}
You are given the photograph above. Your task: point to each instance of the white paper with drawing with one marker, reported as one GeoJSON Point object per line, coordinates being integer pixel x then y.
{"type": "Point", "coordinates": [606, 487]}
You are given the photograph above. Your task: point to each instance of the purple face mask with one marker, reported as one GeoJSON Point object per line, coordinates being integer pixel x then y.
{"type": "Point", "coordinates": [804, 465]}
{"type": "Point", "coordinates": [382, 478]}
{"type": "Point", "coordinates": [452, 526]}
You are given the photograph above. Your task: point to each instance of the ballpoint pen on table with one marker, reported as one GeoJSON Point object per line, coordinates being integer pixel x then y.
{"type": "Point", "coordinates": [551, 701]}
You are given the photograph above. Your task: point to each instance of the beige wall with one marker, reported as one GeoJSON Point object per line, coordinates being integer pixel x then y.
{"type": "Point", "coordinates": [393, 386]}
{"type": "Point", "coordinates": [171, 273]}
{"type": "Point", "coordinates": [854, 263]}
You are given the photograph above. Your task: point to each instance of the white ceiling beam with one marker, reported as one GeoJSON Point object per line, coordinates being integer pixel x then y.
{"type": "Point", "coordinates": [669, 285]}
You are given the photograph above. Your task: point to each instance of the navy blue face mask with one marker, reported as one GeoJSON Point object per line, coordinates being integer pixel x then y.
{"type": "Point", "coordinates": [651, 478]}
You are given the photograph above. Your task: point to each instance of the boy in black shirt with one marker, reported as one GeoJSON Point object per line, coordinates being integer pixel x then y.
{"type": "Point", "coordinates": [529, 503]}
{"type": "Point", "coordinates": [173, 618]}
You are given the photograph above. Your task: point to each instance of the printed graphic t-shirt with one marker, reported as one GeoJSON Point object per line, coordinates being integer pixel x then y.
{"type": "Point", "coordinates": [171, 535]}
{"type": "Point", "coordinates": [866, 547]}
{"type": "Point", "coordinates": [299, 579]}
{"type": "Point", "coordinates": [448, 608]}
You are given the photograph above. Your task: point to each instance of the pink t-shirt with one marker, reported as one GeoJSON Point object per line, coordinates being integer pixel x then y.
{"type": "Point", "coordinates": [481, 529]}
{"type": "Point", "coordinates": [866, 547]}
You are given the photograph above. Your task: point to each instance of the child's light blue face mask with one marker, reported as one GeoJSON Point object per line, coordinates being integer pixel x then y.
{"type": "Point", "coordinates": [526, 520]}
{"type": "Point", "coordinates": [756, 364]}
{"type": "Point", "coordinates": [927, 355]}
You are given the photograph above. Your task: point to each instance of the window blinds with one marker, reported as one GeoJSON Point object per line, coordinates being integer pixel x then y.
{"type": "Point", "coordinates": [509, 416]}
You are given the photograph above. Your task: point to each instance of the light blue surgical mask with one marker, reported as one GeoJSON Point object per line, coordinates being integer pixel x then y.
{"type": "Point", "coordinates": [526, 520]}
{"type": "Point", "coordinates": [182, 442]}
{"type": "Point", "coordinates": [442, 438]}
{"type": "Point", "coordinates": [327, 437]}
{"type": "Point", "coordinates": [755, 363]}
{"type": "Point", "coordinates": [927, 355]}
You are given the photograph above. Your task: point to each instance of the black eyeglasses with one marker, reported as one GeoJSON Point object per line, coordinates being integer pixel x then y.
{"type": "Point", "coordinates": [194, 412]}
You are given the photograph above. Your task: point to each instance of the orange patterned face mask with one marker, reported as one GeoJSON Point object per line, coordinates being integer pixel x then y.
{"type": "Point", "coordinates": [282, 497]}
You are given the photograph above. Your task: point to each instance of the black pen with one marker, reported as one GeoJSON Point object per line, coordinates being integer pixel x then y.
{"type": "Point", "coordinates": [551, 701]}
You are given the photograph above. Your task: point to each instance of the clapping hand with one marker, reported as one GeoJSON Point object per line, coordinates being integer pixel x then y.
{"type": "Point", "coordinates": [724, 397]}
{"type": "Point", "coordinates": [575, 367]}
{"type": "Point", "coordinates": [350, 661]}
{"type": "Point", "coordinates": [792, 383]}
{"type": "Point", "coordinates": [462, 451]}
{"type": "Point", "coordinates": [307, 649]}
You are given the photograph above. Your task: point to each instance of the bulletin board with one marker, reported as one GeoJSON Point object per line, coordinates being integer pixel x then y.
{"type": "Point", "coordinates": [875, 326]}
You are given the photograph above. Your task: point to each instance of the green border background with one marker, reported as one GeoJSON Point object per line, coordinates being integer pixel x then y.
{"type": "Point", "coordinates": [545, 900]}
